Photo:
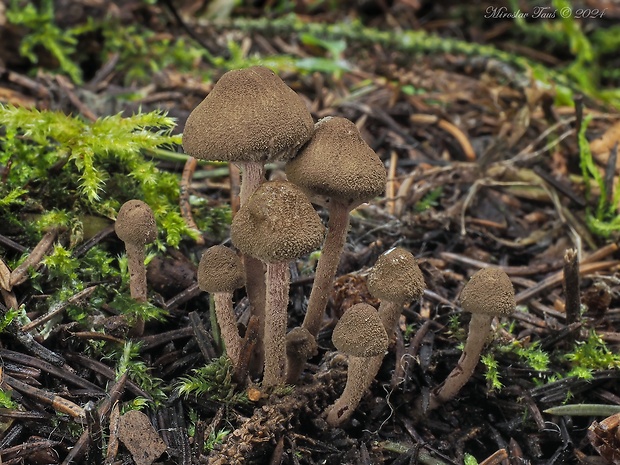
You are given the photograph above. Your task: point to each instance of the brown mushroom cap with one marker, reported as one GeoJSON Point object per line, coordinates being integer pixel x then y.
{"type": "Point", "coordinates": [135, 223]}
{"type": "Point", "coordinates": [338, 164]}
{"type": "Point", "coordinates": [396, 277]}
{"type": "Point", "coordinates": [490, 292]}
{"type": "Point", "coordinates": [220, 270]}
{"type": "Point", "coordinates": [249, 115]}
{"type": "Point", "coordinates": [360, 332]}
{"type": "Point", "coordinates": [277, 224]}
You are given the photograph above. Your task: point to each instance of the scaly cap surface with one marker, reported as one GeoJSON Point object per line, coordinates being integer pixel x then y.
{"type": "Point", "coordinates": [490, 292]}
{"type": "Point", "coordinates": [135, 223]}
{"type": "Point", "coordinates": [360, 332]}
{"type": "Point", "coordinates": [277, 223]}
{"type": "Point", "coordinates": [220, 270]}
{"type": "Point", "coordinates": [396, 277]}
{"type": "Point", "coordinates": [249, 115]}
{"type": "Point", "coordinates": [338, 164]}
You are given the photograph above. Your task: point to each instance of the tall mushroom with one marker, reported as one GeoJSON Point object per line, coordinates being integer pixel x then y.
{"type": "Point", "coordinates": [276, 225]}
{"type": "Point", "coordinates": [360, 335]}
{"type": "Point", "coordinates": [135, 226]}
{"type": "Point", "coordinates": [337, 169]}
{"type": "Point", "coordinates": [489, 293]}
{"type": "Point", "coordinates": [250, 117]}
{"type": "Point", "coordinates": [220, 272]}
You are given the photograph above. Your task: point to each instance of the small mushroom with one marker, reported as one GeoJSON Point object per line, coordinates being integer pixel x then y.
{"type": "Point", "coordinates": [360, 335]}
{"type": "Point", "coordinates": [250, 117]}
{"type": "Point", "coordinates": [220, 272]}
{"type": "Point", "coordinates": [395, 279]}
{"type": "Point", "coordinates": [489, 293]}
{"type": "Point", "coordinates": [338, 169]}
{"type": "Point", "coordinates": [276, 225]}
{"type": "Point", "coordinates": [135, 226]}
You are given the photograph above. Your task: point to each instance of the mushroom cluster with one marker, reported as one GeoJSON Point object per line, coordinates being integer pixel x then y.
{"type": "Point", "coordinates": [252, 117]}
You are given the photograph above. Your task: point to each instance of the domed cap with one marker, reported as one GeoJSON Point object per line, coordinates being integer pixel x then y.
{"type": "Point", "coordinates": [396, 277]}
{"type": "Point", "coordinates": [135, 223]}
{"type": "Point", "coordinates": [360, 332]}
{"type": "Point", "coordinates": [277, 224]}
{"type": "Point", "coordinates": [489, 291]}
{"type": "Point", "coordinates": [220, 270]}
{"type": "Point", "coordinates": [249, 115]}
{"type": "Point", "coordinates": [338, 164]}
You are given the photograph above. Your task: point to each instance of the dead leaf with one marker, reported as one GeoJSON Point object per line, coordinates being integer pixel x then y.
{"type": "Point", "coordinates": [137, 433]}
{"type": "Point", "coordinates": [601, 147]}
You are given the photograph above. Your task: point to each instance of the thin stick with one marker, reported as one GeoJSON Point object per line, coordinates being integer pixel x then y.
{"type": "Point", "coordinates": [58, 403]}
{"type": "Point", "coordinates": [184, 205]}
{"type": "Point", "coordinates": [20, 274]}
{"type": "Point", "coordinates": [571, 286]}
{"type": "Point", "coordinates": [59, 308]}
{"type": "Point", "coordinates": [556, 278]}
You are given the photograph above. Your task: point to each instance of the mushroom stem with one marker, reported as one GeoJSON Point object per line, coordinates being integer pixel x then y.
{"type": "Point", "coordinates": [278, 278]}
{"type": "Point", "coordinates": [389, 312]}
{"type": "Point", "coordinates": [137, 271]}
{"type": "Point", "coordinates": [252, 177]}
{"type": "Point", "coordinates": [325, 271]}
{"type": "Point", "coordinates": [327, 266]}
{"type": "Point", "coordinates": [479, 327]}
{"type": "Point", "coordinates": [357, 383]}
{"type": "Point", "coordinates": [228, 325]}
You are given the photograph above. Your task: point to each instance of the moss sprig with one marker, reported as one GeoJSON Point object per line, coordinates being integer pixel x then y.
{"type": "Point", "coordinates": [64, 162]}
{"type": "Point", "coordinates": [214, 380]}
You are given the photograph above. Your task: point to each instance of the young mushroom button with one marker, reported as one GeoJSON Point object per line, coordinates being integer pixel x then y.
{"type": "Point", "coordinates": [489, 293]}
{"type": "Point", "coordinates": [338, 169]}
{"type": "Point", "coordinates": [220, 272]}
{"type": "Point", "coordinates": [276, 225]}
{"type": "Point", "coordinates": [360, 335]}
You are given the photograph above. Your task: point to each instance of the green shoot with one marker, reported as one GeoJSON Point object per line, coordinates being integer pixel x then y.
{"type": "Point", "coordinates": [214, 380]}
{"type": "Point", "coordinates": [93, 167]}
{"type": "Point", "coordinates": [469, 459]}
{"type": "Point", "coordinates": [492, 373]}
{"type": "Point", "coordinates": [127, 361]}
{"type": "Point", "coordinates": [429, 200]}
{"type": "Point", "coordinates": [590, 355]}
{"type": "Point", "coordinates": [215, 438]}
{"type": "Point", "coordinates": [43, 32]}
{"type": "Point", "coordinates": [6, 400]}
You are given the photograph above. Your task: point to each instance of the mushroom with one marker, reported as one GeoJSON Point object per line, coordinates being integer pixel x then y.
{"type": "Point", "coordinates": [277, 224]}
{"type": "Point", "coordinates": [395, 279]}
{"type": "Point", "coordinates": [135, 226]}
{"type": "Point", "coordinates": [488, 293]}
{"type": "Point", "coordinates": [360, 335]}
{"type": "Point", "coordinates": [220, 272]}
{"type": "Point", "coordinates": [250, 117]}
{"type": "Point", "coordinates": [337, 169]}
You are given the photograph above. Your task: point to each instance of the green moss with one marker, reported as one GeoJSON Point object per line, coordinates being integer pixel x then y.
{"type": "Point", "coordinates": [213, 380]}
{"type": "Point", "coordinates": [591, 355]}
{"type": "Point", "coordinates": [63, 164]}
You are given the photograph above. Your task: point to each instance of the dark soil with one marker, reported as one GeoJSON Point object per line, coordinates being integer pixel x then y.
{"type": "Point", "coordinates": [483, 169]}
